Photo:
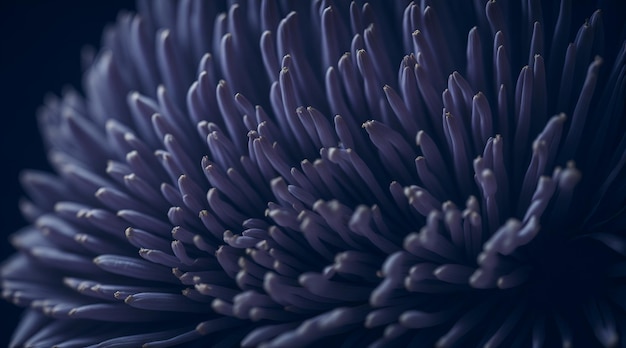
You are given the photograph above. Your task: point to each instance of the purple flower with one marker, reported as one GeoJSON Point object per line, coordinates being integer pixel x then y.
{"type": "Point", "coordinates": [283, 174]}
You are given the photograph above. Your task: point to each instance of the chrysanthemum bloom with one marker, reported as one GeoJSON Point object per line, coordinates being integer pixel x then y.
{"type": "Point", "coordinates": [431, 174]}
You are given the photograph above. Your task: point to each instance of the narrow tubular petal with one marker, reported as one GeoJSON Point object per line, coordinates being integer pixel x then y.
{"type": "Point", "coordinates": [164, 302]}
{"type": "Point", "coordinates": [133, 267]}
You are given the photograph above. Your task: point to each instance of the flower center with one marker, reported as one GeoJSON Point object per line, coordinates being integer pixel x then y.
{"type": "Point", "coordinates": [564, 274]}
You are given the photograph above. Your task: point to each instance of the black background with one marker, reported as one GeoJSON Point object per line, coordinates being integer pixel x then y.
{"type": "Point", "coordinates": [40, 44]}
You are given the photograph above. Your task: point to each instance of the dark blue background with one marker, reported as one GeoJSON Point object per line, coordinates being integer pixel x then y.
{"type": "Point", "coordinates": [40, 43]}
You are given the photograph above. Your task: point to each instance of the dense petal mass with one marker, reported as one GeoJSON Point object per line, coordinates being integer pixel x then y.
{"type": "Point", "coordinates": [435, 173]}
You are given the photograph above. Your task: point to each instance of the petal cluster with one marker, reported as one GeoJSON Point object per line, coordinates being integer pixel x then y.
{"type": "Point", "coordinates": [276, 174]}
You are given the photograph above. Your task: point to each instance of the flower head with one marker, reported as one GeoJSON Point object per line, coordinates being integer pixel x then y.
{"type": "Point", "coordinates": [264, 173]}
